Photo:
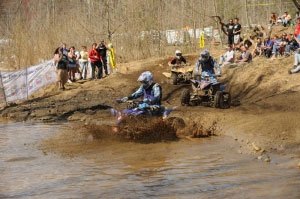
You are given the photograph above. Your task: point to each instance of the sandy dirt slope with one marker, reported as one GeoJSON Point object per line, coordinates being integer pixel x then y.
{"type": "Point", "coordinates": [266, 120]}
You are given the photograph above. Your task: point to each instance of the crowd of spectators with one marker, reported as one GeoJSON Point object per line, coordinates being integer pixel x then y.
{"type": "Point", "coordinates": [262, 44]}
{"type": "Point", "coordinates": [99, 60]}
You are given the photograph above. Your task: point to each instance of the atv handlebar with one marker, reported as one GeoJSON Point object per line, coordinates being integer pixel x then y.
{"type": "Point", "coordinates": [119, 101]}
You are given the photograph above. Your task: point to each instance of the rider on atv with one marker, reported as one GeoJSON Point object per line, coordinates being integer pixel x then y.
{"type": "Point", "coordinates": [206, 64]}
{"type": "Point", "coordinates": [151, 92]}
{"type": "Point", "coordinates": [178, 59]}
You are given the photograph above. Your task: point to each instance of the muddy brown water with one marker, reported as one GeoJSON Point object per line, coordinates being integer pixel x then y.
{"type": "Point", "coordinates": [202, 168]}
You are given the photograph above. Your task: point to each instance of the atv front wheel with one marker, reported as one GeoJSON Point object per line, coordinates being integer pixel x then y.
{"type": "Point", "coordinates": [219, 100]}
{"type": "Point", "coordinates": [185, 97]}
{"type": "Point", "coordinates": [174, 79]}
{"type": "Point", "coordinates": [227, 100]}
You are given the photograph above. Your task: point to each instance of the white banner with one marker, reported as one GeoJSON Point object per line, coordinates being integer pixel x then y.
{"type": "Point", "coordinates": [2, 95]}
{"type": "Point", "coordinates": [18, 85]}
{"type": "Point", "coordinates": [15, 85]}
{"type": "Point", "coordinates": [40, 76]}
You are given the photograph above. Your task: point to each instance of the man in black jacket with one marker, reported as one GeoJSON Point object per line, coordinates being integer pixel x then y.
{"type": "Point", "coordinates": [229, 31]}
{"type": "Point", "coordinates": [237, 31]}
{"type": "Point", "coordinates": [102, 51]}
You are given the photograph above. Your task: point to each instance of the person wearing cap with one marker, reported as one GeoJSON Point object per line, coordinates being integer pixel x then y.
{"type": "Point", "coordinates": [245, 57]}
{"type": "Point", "coordinates": [178, 59]}
{"type": "Point", "coordinates": [205, 63]}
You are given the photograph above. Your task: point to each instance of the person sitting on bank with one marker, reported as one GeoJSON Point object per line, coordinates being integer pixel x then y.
{"type": "Point", "coordinates": [258, 47]}
{"type": "Point", "coordinates": [245, 57]}
{"type": "Point", "coordinates": [225, 59]}
{"type": "Point", "coordinates": [285, 19]}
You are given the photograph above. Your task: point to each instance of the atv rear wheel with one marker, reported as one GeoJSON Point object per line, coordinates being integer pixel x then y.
{"type": "Point", "coordinates": [174, 79]}
{"type": "Point", "coordinates": [219, 100]}
{"type": "Point", "coordinates": [185, 97]}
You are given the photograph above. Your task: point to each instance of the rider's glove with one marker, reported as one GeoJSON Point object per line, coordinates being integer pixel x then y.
{"type": "Point", "coordinates": [124, 99]}
{"type": "Point", "coordinates": [146, 100]}
{"type": "Point", "coordinates": [143, 106]}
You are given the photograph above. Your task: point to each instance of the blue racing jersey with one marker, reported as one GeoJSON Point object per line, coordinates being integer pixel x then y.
{"type": "Point", "coordinates": [151, 95]}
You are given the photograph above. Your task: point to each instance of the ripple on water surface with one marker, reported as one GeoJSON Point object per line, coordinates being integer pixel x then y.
{"type": "Point", "coordinates": [204, 168]}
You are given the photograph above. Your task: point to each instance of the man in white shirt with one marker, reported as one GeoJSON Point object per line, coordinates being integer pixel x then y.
{"type": "Point", "coordinates": [225, 59]}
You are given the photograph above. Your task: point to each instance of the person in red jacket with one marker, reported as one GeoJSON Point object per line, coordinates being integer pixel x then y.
{"type": "Point", "coordinates": [96, 61]}
{"type": "Point", "coordinates": [297, 30]}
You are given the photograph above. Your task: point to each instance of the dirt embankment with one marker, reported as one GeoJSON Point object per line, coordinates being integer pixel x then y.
{"type": "Point", "coordinates": [266, 120]}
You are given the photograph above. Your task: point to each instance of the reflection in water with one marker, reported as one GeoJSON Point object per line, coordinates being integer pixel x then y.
{"type": "Point", "coordinates": [204, 168]}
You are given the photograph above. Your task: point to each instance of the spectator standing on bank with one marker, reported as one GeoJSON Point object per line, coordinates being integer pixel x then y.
{"type": "Point", "coordinates": [297, 31]}
{"type": "Point", "coordinates": [61, 63]}
{"type": "Point", "coordinates": [72, 64]}
{"type": "Point", "coordinates": [64, 50]}
{"type": "Point", "coordinates": [237, 31]}
{"type": "Point", "coordinates": [83, 61]}
{"type": "Point", "coordinates": [111, 58]}
{"type": "Point", "coordinates": [95, 61]}
{"type": "Point", "coordinates": [229, 30]}
{"type": "Point", "coordinates": [102, 51]}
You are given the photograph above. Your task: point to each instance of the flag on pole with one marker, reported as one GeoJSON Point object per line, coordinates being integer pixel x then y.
{"type": "Point", "coordinates": [201, 40]}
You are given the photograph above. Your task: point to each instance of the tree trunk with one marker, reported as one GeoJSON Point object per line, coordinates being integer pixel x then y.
{"type": "Point", "coordinates": [247, 15]}
{"type": "Point", "coordinates": [218, 25]}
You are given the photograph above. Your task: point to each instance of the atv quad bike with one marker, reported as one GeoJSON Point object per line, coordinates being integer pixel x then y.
{"type": "Point", "coordinates": [206, 94]}
{"type": "Point", "coordinates": [138, 124]}
{"type": "Point", "coordinates": [181, 73]}
{"type": "Point", "coordinates": [134, 109]}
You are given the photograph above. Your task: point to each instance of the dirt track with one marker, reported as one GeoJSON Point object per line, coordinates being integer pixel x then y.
{"type": "Point", "coordinates": [266, 119]}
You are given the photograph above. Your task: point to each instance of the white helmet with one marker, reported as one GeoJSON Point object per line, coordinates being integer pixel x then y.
{"type": "Point", "coordinates": [178, 53]}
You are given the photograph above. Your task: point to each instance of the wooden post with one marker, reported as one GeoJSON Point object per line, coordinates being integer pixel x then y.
{"type": "Point", "coordinates": [247, 16]}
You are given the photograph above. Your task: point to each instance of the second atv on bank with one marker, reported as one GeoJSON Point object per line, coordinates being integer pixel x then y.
{"type": "Point", "coordinates": [206, 93]}
{"type": "Point", "coordinates": [181, 73]}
